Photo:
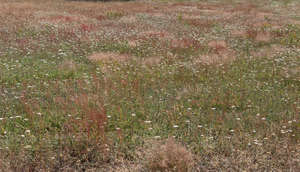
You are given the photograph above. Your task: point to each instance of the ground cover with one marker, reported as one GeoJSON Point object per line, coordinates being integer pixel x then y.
{"type": "Point", "coordinates": [149, 85]}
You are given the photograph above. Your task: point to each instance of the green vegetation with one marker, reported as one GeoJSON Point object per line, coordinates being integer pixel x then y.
{"type": "Point", "coordinates": [107, 87]}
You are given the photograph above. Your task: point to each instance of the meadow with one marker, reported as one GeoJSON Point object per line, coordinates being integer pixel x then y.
{"type": "Point", "coordinates": [152, 85]}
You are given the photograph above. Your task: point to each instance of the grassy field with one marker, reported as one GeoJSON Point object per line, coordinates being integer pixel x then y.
{"type": "Point", "coordinates": [150, 85]}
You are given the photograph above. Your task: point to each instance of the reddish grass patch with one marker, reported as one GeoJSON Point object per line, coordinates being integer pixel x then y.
{"type": "Point", "coordinates": [185, 43]}
{"type": "Point", "coordinates": [108, 56]}
{"type": "Point", "coordinates": [217, 45]}
{"type": "Point", "coordinates": [154, 34]}
{"type": "Point", "coordinates": [220, 57]}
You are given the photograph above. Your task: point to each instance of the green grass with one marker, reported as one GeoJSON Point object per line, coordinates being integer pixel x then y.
{"type": "Point", "coordinates": [89, 116]}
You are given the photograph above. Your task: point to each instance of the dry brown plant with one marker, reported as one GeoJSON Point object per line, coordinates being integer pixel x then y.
{"type": "Point", "coordinates": [170, 157]}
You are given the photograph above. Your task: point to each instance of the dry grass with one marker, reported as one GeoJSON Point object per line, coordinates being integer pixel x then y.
{"type": "Point", "coordinates": [268, 51]}
{"type": "Point", "coordinates": [170, 157]}
{"type": "Point", "coordinates": [102, 56]}
{"type": "Point", "coordinates": [84, 86]}
{"type": "Point", "coordinates": [68, 65]}
{"type": "Point", "coordinates": [151, 61]}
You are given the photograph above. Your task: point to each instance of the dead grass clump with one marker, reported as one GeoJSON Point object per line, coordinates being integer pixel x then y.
{"type": "Point", "coordinates": [291, 73]}
{"type": "Point", "coordinates": [220, 53]}
{"type": "Point", "coordinates": [251, 33]}
{"type": "Point", "coordinates": [294, 21]}
{"type": "Point", "coordinates": [258, 35]}
{"type": "Point", "coordinates": [263, 15]}
{"type": "Point", "coordinates": [67, 65]}
{"type": "Point", "coordinates": [150, 61]}
{"type": "Point", "coordinates": [239, 33]}
{"type": "Point", "coordinates": [270, 157]}
{"type": "Point", "coordinates": [222, 57]}
{"type": "Point", "coordinates": [184, 43]}
{"type": "Point", "coordinates": [170, 157]}
{"type": "Point", "coordinates": [268, 51]}
{"type": "Point", "coordinates": [133, 43]}
{"type": "Point", "coordinates": [245, 8]}
{"type": "Point", "coordinates": [204, 23]}
{"type": "Point", "coordinates": [217, 45]}
{"type": "Point", "coordinates": [128, 19]}
{"type": "Point", "coordinates": [108, 56]}
{"type": "Point", "coordinates": [263, 37]}
{"type": "Point", "coordinates": [155, 34]}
